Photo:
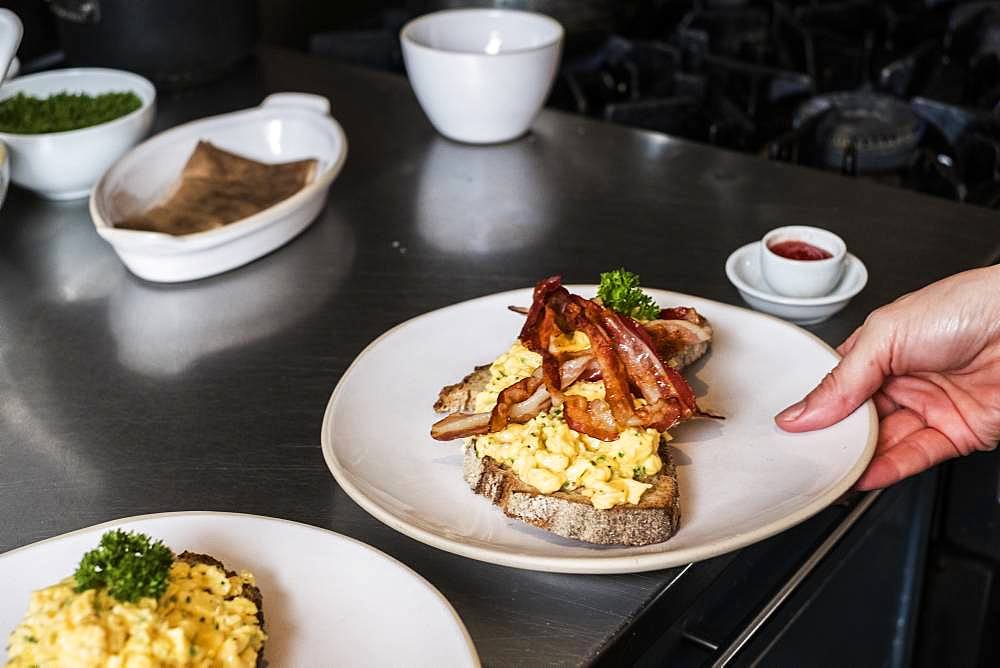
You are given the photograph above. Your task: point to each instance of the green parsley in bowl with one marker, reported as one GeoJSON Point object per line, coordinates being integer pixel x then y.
{"type": "Point", "coordinates": [64, 128]}
{"type": "Point", "coordinates": [26, 114]}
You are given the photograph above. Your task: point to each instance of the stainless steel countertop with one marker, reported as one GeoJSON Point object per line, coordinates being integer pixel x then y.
{"type": "Point", "coordinates": [120, 397]}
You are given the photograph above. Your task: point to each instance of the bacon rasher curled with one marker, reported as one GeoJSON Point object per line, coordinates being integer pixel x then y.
{"type": "Point", "coordinates": [621, 354]}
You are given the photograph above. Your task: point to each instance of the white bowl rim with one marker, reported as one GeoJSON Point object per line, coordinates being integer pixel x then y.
{"type": "Point", "coordinates": [832, 298]}
{"type": "Point", "coordinates": [837, 256]}
{"type": "Point", "coordinates": [71, 72]}
{"type": "Point", "coordinates": [404, 32]}
{"type": "Point", "coordinates": [235, 229]}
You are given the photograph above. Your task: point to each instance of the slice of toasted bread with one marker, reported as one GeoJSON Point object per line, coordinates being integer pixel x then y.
{"type": "Point", "coordinates": [654, 519]}
{"type": "Point", "coordinates": [461, 396]}
{"type": "Point", "coordinates": [250, 592]}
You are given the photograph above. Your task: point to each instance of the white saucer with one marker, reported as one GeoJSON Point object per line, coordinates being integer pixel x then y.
{"type": "Point", "coordinates": [743, 271]}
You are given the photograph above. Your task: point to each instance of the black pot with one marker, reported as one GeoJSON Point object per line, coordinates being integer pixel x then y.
{"type": "Point", "coordinates": [172, 42]}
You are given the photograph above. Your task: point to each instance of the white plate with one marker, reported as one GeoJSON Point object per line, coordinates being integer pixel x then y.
{"type": "Point", "coordinates": [741, 480]}
{"type": "Point", "coordinates": [328, 599]}
{"type": "Point", "coordinates": [744, 272]}
{"type": "Point", "coordinates": [285, 127]}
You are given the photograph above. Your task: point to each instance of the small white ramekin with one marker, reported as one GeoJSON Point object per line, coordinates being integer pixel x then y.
{"type": "Point", "coordinates": [482, 75]}
{"type": "Point", "coordinates": [802, 278]}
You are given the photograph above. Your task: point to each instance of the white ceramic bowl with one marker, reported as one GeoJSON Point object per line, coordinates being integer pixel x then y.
{"type": "Point", "coordinates": [65, 165]}
{"type": "Point", "coordinates": [802, 278]}
{"type": "Point", "coordinates": [743, 268]}
{"type": "Point", "coordinates": [285, 127]}
{"type": "Point", "coordinates": [482, 75]}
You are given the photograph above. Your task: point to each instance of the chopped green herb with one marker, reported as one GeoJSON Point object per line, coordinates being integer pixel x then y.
{"type": "Point", "coordinates": [30, 638]}
{"type": "Point", "coordinates": [60, 112]}
{"type": "Point", "coordinates": [620, 454]}
{"type": "Point", "coordinates": [638, 471]}
{"type": "Point", "coordinates": [131, 566]}
{"type": "Point", "coordinates": [620, 291]}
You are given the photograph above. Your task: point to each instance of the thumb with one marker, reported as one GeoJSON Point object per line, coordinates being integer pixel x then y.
{"type": "Point", "coordinates": [851, 383]}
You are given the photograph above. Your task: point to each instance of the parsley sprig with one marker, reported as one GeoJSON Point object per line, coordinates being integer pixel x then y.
{"type": "Point", "coordinates": [130, 564]}
{"type": "Point", "coordinates": [620, 291]}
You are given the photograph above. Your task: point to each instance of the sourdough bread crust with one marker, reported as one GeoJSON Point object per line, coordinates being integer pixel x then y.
{"type": "Point", "coordinates": [653, 520]}
{"type": "Point", "coordinates": [461, 396]}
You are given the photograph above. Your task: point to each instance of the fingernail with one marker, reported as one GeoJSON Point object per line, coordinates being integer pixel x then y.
{"type": "Point", "coordinates": [791, 413]}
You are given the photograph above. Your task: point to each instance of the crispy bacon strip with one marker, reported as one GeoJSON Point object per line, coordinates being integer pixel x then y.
{"type": "Point", "coordinates": [662, 415]}
{"type": "Point", "coordinates": [593, 418]}
{"type": "Point", "coordinates": [654, 379]}
{"type": "Point", "coordinates": [622, 354]}
{"type": "Point", "coordinates": [679, 313]}
{"type": "Point", "coordinates": [573, 367]}
{"type": "Point", "coordinates": [520, 391]}
{"type": "Point", "coordinates": [518, 403]}
{"type": "Point", "coordinates": [460, 425]}
{"type": "Point", "coordinates": [579, 314]}
{"type": "Point", "coordinates": [539, 401]}
{"type": "Point", "coordinates": [539, 327]}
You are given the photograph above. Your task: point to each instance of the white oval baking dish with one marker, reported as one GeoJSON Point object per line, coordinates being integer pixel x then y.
{"type": "Point", "coordinates": [285, 127]}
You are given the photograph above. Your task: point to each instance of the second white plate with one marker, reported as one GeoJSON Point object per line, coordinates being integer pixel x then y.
{"type": "Point", "coordinates": [741, 479]}
{"type": "Point", "coordinates": [328, 599]}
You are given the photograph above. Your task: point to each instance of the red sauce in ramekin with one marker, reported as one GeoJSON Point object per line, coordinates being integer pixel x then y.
{"type": "Point", "coordinates": [799, 250]}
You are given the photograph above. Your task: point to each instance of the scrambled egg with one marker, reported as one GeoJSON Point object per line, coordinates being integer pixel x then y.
{"type": "Point", "coordinates": [545, 453]}
{"type": "Point", "coordinates": [201, 620]}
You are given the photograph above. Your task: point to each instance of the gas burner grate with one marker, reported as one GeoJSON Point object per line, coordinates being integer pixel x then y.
{"type": "Point", "coordinates": [902, 92]}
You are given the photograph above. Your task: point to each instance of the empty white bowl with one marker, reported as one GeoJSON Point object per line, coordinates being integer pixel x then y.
{"type": "Point", "coordinates": [285, 127]}
{"type": "Point", "coordinates": [482, 75]}
{"type": "Point", "coordinates": [743, 268]}
{"type": "Point", "coordinates": [66, 165]}
{"type": "Point", "coordinates": [802, 278]}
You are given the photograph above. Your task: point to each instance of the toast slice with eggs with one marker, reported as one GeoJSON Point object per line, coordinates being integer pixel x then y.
{"type": "Point", "coordinates": [562, 500]}
{"type": "Point", "coordinates": [250, 591]}
{"type": "Point", "coordinates": [569, 514]}
{"type": "Point", "coordinates": [147, 605]}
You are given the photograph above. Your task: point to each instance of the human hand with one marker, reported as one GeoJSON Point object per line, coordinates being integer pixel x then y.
{"type": "Point", "coordinates": [931, 361]}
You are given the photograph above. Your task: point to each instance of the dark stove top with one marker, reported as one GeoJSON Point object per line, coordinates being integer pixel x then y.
{"type": "Point", "coordinates": [903, 92]}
